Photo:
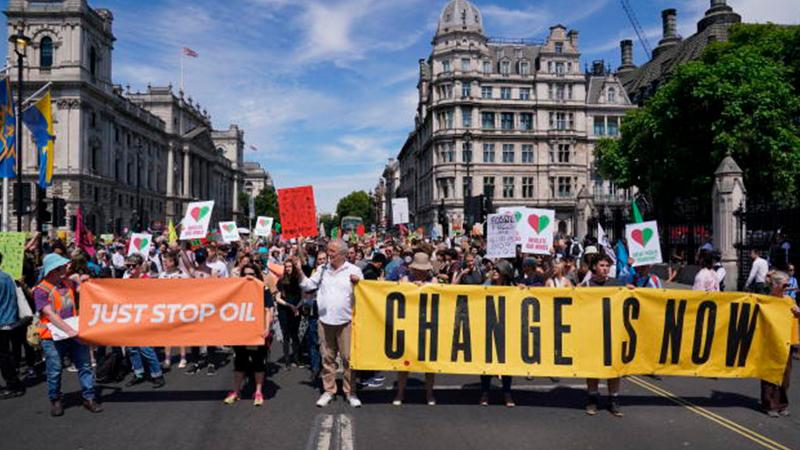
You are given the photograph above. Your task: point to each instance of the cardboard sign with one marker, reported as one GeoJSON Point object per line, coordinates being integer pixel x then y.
{"type": "Point", "coordinates": [107, 238]}
{"type": "Point", "coordinates": [229, 231]}
{"type": "Point", "coordinates": [399, 210]}
{"type": "Point", "coordinates": [263, 226]}
{"type": "Point", "coordinates": [298, 212]}
{"type": "Point", "coordinates": [140, 243]}
{"type": "Point", "coordinates": [518, 212]}
{"type": "Point", "coordinates": [644, 245]}
{"type": "Point", "coordinates": [12, 247]}
{"type": "Point", "coordinates": [537, 230]}
{"type": "Point", "coordinates": [501, 238]}
{"type": "Point", "coordinates": [195, 222]}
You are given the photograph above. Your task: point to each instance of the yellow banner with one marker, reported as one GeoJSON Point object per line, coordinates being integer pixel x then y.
{"type": "Point", "coordinates": [569, 332]}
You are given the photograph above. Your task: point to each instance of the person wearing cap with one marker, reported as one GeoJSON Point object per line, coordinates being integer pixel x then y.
{"type": "Point", "coordinates": [420, 273]}
{"type": "Point", "coordinates": [56, 299]}
{"type": "Point", "coordinates": [136, 270]}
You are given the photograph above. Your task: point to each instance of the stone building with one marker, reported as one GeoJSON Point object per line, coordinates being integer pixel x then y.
{"type": "Point", "coordinates": [511, 119]}
{"type": "Point", "coordinates": [256, 178]}
{"type": "Point", "coordinates": [126, 158]}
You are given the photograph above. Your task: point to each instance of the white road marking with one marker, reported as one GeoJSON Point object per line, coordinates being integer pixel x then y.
{"type": "Point", "coordinates": [332, 432]}
{"type": "Point", "coordinates": [524, 387]}
{"type": "Point", "coordinates": [346, 435]}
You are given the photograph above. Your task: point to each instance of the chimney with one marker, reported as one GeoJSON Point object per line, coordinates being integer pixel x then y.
{"type": "Point", "coordinates": [598, 67]}
{"type": "Point", "coordinates": [719, 13]}
{"type": "Point", "coordinates": [670, 26]}
{"type": "Point", "coordinates": [626, 49]}
{"type": "Point", "coordinates": [573, 38]}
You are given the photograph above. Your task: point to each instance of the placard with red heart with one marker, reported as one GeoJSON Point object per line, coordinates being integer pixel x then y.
{"type": "Point", "coordinates": [263, 226]}
{"type": "Point", "coordinates": [536, 230]}
{"type": "Point", "coordinates": [195, 222]}
{"type": "Point", "coordinates": [644, 245]}
{"type": "Point", "coordinates": [140, 243]}
{"type": "Point", "coordinates": [229, 231]}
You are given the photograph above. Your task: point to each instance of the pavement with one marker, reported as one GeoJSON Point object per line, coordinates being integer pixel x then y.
{"type": "Point", "coordinates": [188, 413]}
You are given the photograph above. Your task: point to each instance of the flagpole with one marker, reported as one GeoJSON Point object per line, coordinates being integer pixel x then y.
{"type": "Point", "coordinates": [5, 204]}
{"type": "Point", "coordinates": [181, 70]}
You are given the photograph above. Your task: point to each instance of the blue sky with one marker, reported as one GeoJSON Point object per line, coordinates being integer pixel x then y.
{"type": "Point", "coordinates": [326, 89]}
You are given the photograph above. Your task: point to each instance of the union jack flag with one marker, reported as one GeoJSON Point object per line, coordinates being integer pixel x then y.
{"type": "Point", "coordinates": [189, 52]}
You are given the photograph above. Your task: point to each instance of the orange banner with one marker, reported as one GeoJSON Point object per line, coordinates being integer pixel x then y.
{"type": "Point", "coordinates": [211, 311]}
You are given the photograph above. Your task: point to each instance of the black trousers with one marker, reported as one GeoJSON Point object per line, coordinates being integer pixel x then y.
{"type": "Point", "coordinates": [290, 328]}
{"type": "Point", "coordinates": [8, 364]}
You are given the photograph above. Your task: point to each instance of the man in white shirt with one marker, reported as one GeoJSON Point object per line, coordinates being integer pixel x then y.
{"type": "Point", "coordinates": [217, 264]}
{"type": "Point", "coordinates": [334, 285]}
{"type": "Point", "coordinates": [118, 261]}
{"type": "Point", "coordinates": [756, 281]}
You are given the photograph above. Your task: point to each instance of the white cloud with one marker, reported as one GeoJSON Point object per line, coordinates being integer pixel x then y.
{"type": "Point", "coordinates": [536, 19]}
{"type": "Point", "coordinates": [760, 11]}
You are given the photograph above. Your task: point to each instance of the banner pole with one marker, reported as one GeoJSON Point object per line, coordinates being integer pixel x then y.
{"type": "Point", "coordinates": [5, 204]}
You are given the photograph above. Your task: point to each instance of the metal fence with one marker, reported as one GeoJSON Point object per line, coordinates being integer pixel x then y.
{"type": "Point", "coordinates": [771, 229]}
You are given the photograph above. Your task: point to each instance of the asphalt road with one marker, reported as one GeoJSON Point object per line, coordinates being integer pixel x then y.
{"type": "Point", "coordinates": [189, 414]}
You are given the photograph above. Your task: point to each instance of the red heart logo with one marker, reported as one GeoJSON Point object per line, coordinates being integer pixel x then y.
{"type": "Point", "coordinates": [642, 236]}
{"type": "Point", "coordinates": [137, 243]}
{"type": "Point", "coordinates": [195, 213]}
{"type": "Point", "coordinates": [533, 221]}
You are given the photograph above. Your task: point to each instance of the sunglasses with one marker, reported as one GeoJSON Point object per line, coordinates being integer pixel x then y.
{"type": "Point", "coordinates": [252, 274]}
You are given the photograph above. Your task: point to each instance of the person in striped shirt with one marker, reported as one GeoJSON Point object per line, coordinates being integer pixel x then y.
{"type": "Point", "coordinates": [645, 278]}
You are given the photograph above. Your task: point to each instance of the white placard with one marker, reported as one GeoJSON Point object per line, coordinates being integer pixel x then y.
{"type": "Point", "coordinates": [644, 245]}
{"type": "Point", "coordinates": [399, 211]}
{"type": "Point", "coordinates": [518, 212]}
{"type": "Point", "coordinates": [60, 335]}
{"type": "Point", "coordinates": [501, 236]}
{"type": "Point", "coordinates": [229, 231]}
{"type": "Point", "coordinates": [537, 230]}
{"type": "Point", "coordinates": [195, 222]}
{"type": "Point", "coordinates": [140, 243]}
{"type": "Point", "coordinates": [263, 226]}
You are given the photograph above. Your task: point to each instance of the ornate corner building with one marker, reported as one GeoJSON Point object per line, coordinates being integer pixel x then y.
{"type": "Point", "coordinates": [511, 119]}
{"type": "Point", "coordinates": [125, 158]}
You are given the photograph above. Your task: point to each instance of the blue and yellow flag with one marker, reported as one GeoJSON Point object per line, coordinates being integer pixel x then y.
{"type": "Point", "coordinates": [39, 120]}
{"type": "Point", "coordinates": [8, 136]}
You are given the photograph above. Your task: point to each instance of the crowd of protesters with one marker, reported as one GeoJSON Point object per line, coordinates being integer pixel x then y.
{"type": "Point", "coordinates": [309, 294]}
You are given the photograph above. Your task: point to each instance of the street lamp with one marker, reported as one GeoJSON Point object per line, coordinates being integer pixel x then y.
{"type": "Point", "coordinates": [467, 138]}
{"type": "Point", "coordinates": [21, 43]}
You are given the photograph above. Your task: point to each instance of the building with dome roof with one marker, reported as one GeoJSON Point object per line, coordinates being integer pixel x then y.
{"type": "Point", "coordinates": [512, 119]}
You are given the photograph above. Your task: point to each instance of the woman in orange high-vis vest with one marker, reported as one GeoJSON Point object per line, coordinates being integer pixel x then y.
{"type": "Point", "coordinates": [56, 299]}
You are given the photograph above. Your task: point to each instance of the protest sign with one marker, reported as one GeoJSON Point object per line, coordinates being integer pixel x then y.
{"type": "Point", "coordinates": [518, 212]}
{"type": "Point", "coordinates": [193, 312]}
{"type": "Point", "coordinates": [644, 245]}
{"type": "Point", "coordinates": [298, 212]}
{"type": "Point", "coordinates": [107, 238]}
{"type": "Point", "coordinates": [229, 231]}
{"type": "Point", "coordinates": [501, 239]}
{"type": "Point", "coordinates": [568, 332]}
{"type": "Point", "coordinates": [12, 247]}
{"type": "Point", "coordinates": [536, 227]}
{"type": "Point", "coordinates": [399, 211]}
{"type": "Point", "coordinates": [263, 226]}
{"type": "Point", "coordinates": [140, 243]}
{"type": "Point", "coordinates": [195, 222]}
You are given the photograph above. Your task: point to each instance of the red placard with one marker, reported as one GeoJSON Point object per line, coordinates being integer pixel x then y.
{"type": "Point", "coordinates": [298, 212]}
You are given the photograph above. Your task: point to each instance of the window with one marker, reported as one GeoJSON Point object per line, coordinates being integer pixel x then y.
{"type": "Point", "coordinates": [488, 186]}
{"type": "Point", "coordinates": [564, 186]}
{"type": "Point", "coordinates": [446, 91]}
{"type": "Point", "coordinates": [465, 64]}
{"type": "Point", "coordinates": [446, 65]}
{"type": "Point", "coordinates": [527, 153]}
{"type": "Point", "coordinates": [466, 90]}
{"type": "Point", "coordinates": [466, 117]}
{"type": "Point", "coordinates": [524, 68]}
{"type": "Point", "coordinates": [558, 121]}
{"type": "Point", "coordinates": [508, 153]}
{"type": "Point", "coordinates": [527, 187]}
{"type": "Point", "coordinates": [446, 153]}
{"type": "Point", "coordinates": [448, 118]}
{"type": "Point", "coordinates": [563, 153]}
{"type": "Point", "coordinates": [488, 153]}
{"type": "Point", "coordinates": [613, 126]}
{"type": "Point", "coordinates": [599, 126]}
{"type": "Point", "coordinates": [487, 67]}
{"type": "Point", "coordinates": [505, 67]}
{"type": "Point", "coordinates": [559, 47]}
{"type": "Point", "coordinates": [46, 52]}
{"type": "Point", "coordinates": [93, 61]}
{"type": "Point", "coordinates": [507, 121]}
{"type": "Point", "coordinates": [526, 121]}
{"type": "Point", "coordinates": [550, 66]}
{"type": "Point", "coordinates": [116, 135]}
{"type": "Point", "coordinates": [466, 153]}
{"type": "Point", "coordinates": [446, 186]}
{"type": "Point", "coordinates": [467, 186]}
{"type": "Point", "coordinates": [612, 95]}
{"type": "Point", "coordinates": [486, 91]}
{"type": "Point", "coordinates": [508, 187]}
{"type": "Point", "coordinates": [524, 93]}
{"type": "Point", "coordinates": [505, 93]}
{"type": "Point", "coordinates": [487, 120]}
{"type": "Point", "coordinates": [559, 92]}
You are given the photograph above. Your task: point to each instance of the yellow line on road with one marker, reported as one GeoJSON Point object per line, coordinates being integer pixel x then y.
{"type": "Point", "coordinates": [727, 423]}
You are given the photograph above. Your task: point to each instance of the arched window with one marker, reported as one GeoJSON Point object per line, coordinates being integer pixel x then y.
{"type": "Point", "coordinates": [46, 52]}
{"type": "Point", "coordinates": [93, 61]}
{"type": "Point", "coordinates": [612, 95]}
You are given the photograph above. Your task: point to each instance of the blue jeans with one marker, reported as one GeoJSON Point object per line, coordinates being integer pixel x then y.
{"type": "Point", "coordinates": [313, 344]}
{"type": "Point", "coordinates": [79, 354]}
{"type": "Point", "coordinates": [153, 366]}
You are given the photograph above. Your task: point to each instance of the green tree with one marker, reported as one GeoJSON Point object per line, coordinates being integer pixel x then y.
{"type": "Point", "coordinates": [329, 221]}
{"type": "Point", "coordinates": [265, 203]}
{"type": "Point", "coordinates": [358, 204]}
{"type": "Point", "coordinates": [741, 98]}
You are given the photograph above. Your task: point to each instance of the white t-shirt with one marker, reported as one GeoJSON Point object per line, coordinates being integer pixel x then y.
{"type": "Point", "coordinates": [334, 292]}
{"type": "Point", "coordinates": [219, 268]}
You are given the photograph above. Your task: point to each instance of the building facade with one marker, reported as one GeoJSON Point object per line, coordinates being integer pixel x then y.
{"type": "Point", "coordinates": [256, 178]}
{"type": "Point", "coordinates": [514, 120]}
{"type": "Point", "coordinates": [127, 159]}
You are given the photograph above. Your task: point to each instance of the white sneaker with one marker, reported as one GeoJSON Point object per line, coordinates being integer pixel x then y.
{"type": "Point", "coordinates": [354, 401]}
{"type": "Point", "coordinates": [182, 364]}
{"type": "Point", "coordinates": [324, 399]}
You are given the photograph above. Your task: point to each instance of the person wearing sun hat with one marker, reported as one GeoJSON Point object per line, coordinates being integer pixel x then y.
{"type": "Point", "coordinates": [56, 299]}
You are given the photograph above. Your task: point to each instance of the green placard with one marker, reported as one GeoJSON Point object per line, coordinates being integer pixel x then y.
{"type": "Point", "coordinates": [12, 246]}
